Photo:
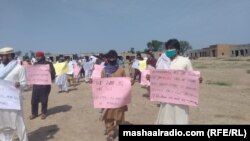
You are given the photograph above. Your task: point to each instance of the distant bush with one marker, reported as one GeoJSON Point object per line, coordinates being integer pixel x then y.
{"type": "Point", "coordinates": [248, 71]}
{"type": "Point", "coordinates": [248, 60]}
{"type": "Point", "coordinates": [232, 59]}
{"type": "Point", "coordinates": [201, 67]}
{"type": "Point", "coordinates": [219, 83]}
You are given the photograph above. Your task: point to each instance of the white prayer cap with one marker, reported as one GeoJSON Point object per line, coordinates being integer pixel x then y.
{"type": "Point", "coordinates": [6, 50]}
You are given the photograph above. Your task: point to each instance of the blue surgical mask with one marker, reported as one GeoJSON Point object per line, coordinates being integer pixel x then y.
{"type": "Point", "coordinates": [170, 53]}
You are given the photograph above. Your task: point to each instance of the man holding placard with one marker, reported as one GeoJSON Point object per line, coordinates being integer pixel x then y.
{"type": "Point", "coordinates": [11, 118]}
{"type": "Point", "coordinates": [61, 68]}
{"type": "Point", "coordinates": [40, 92]}
{"type": "Point", "coordinates": [112, 117]}
{"type": "Point", "coordinates": [173, 113]}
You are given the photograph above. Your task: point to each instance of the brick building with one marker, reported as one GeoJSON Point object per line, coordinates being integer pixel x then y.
{"type": "Point", "coordinates": [220, 50]}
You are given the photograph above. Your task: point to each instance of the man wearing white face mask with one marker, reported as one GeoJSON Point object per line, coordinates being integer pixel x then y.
{"type": "Point", "coordinates": [173, 113]}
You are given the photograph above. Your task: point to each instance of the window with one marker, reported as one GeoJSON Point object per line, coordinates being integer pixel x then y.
{"type": "Point", "coordinates": [232, 52]}
{"type": "Point", "coordinates": [242, 52]}
{"type": "Point", "coordinates": [222, 53]}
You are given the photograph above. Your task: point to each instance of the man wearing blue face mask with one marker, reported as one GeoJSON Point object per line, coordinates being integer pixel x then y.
{"type": "Point", "coordinates": [173, 113]}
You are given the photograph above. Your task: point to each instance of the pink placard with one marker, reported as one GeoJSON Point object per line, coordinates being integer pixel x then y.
{"type": "Point", "coordinates": [175, 86]}
{"type": "Point", "coordinates": [112, 92]}
{"type": "Point", "coordinates": [77, 70]}
{"type": "Point", "coordinates": [38, 74]}
{"type": "Point", "coordinates": [97, 72]}
{"type": "Point", "coordinates": [144, 81]}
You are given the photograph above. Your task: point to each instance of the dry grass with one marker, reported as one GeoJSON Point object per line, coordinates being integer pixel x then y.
{"type": "Point", "coordinates": [248, 71]}
{"type": "Point", "coordinates": [201, 66]}
{"type": "Point", "coordinates": [232, 59]}
{"type": "Point", "coordinates": [219, 83]}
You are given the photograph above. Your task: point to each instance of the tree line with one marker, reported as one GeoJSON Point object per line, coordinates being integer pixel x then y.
{"type": "Point", "coordinates": [156, 45]}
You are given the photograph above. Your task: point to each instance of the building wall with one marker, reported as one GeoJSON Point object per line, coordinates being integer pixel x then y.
{"type": "Point", "coordinates": [240, 50]}
{"type": "Point", "coordinates": [220, 50]}
{"type": "Point", "coordinates": [224, 50]}
{"type": "Point", "coordinates": [127, 55]}
{"type": "Point", "coordinates": [206, 52]}
{"type": "Point", "coordinates": [213, 50]}
{"type": "Point", "coordinates": [193, 54]}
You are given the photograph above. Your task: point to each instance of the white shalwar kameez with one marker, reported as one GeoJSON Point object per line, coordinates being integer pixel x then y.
{"type": "Point", "coordinates": [173, 113]}
{"type": "Point", "coordinates": [12, 120]}
{"type": "Point", "coordinates": [88, 69]}
{"type": "Point", "coordinates": [61, 82]}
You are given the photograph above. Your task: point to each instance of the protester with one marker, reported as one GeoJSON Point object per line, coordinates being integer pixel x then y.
{"type": "Point", "coordinates": [12, 120]}
{"type": "Point", "coordinates": [130, 69]}
{"type": "Point", "coordinates": [61, 79]}
{"type": "Point", "coordinates": [151, 61]}
{"type": "Point", "coordinates": [135, 65]}
{"type": "Point", "coordinates": [151, 65]}
{"type": "Point", "coordinates": [77, 66]}
{"type": "Point", "coordinates": [100, 59]}
{"type": "Point", "coordinates": [173, 113]}
{"type": "Point", "coordinates": [70, 73]}
{"type": "Point", "coordinates": [82, 73]}
{"type": "Point", "coordinates": [40, 93]}
{"type": "Point", "coordinates": [121, 61]}
{"type": "Point", "coordinates": [88, 67]}
{"type": "Point", "coordinates": [26, 61]}
{"type": "Point", "coordinates": [116, 116]}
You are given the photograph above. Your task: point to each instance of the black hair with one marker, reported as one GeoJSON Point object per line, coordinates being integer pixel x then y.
{"type": "Point", "coordinates": [26, 58]}
{"type": "Point", "coordinates": [87, 58]}
{"type": "Point", "coordinates": [101, 55]}
{"type": "Point", "coordinates": [12, 55]}
{"type": "Point", "coordinates": [173, 43]}
{"type": "Point", "coordinates": [150, 53]}
{"type": "Point", "coordinates": [138, 54]}
{"type": "Point", "coordinates": [61, 58]}
{"type": "Point", "coordinates": [112, 54]}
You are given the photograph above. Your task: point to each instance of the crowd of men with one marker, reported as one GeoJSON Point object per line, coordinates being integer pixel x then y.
{"type": "Point", "coordinates": [13, 71]}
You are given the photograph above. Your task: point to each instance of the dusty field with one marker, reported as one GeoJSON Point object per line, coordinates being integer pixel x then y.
{"type": "Point", "coordinates": [224, 99]}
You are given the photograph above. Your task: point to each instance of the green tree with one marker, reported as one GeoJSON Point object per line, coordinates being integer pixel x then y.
{"type": "Point", "coordinates": [132, 50]}
{"type": "Point", "coordinates": [184, 46]}
{"type": "Point", "coordinates": [146, 50]}
{"type": "Point", "coordinates": [150, 46]}
{"type": "Point", "coordinates": [155, 45]}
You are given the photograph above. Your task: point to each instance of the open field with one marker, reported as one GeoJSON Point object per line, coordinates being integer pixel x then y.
{"type": "Point", "coordinates": [224, 99]}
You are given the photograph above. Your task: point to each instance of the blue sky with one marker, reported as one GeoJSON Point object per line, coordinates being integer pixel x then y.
{"type": "Point", "coordinates": [74, 26]}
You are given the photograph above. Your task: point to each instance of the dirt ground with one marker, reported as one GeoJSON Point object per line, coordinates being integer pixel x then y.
{"type": "Point", "coordinates": [224, 99]}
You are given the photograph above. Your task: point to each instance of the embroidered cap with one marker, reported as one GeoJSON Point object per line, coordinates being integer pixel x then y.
{"type": "Point", "coordinates": [6, 50]}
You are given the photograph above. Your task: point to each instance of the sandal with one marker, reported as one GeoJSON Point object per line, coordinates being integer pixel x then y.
{"type": "Point", "coordinates": [110, 138]}
{"type": "Point", "coordinates": [32, 117]}
{"type": "Point", "coordinates": [43, 116]}
{"type": "Point", "coordinates": [105, 132]}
